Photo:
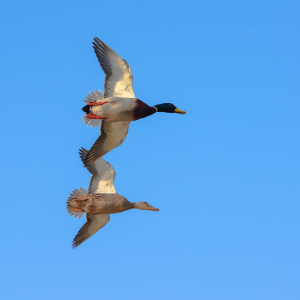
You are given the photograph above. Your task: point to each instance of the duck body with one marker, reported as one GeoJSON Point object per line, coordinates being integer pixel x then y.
{"type": "Point", "coordinates": [118, 106]}
{"type": "Point", "coordinates": [101, 203]}
{"type": "Point", "coordinates": [117, 109]}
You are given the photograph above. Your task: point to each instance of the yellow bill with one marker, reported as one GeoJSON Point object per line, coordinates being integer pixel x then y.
{"type": "Point", "coordinates": [178, 111]}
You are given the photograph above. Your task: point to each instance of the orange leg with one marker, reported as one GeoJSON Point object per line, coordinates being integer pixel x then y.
{"type": "Point", "coordinates": [96, 103]}
{"type": "Point", "coordinates": [82, 198]}
{"type": "Point", "coordinates": [78, 210]}
{"type": "Point", "coordinates": [93, 116]}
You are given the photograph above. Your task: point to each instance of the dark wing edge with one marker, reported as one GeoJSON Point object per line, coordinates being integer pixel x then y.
{"type": "Point", "coordinates": [93, 224]}
{"type": "Point", "coordinates": [112, 136]}
{"type": "Point", "coordinates": [104, 53]}
{"type": "Point", "coordinates": [116, 70]}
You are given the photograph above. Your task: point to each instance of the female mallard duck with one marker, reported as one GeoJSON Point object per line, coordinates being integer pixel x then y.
{"type": "Point", "coordinates": [118, 107]}
{"type": "Point", "coordinates": [100, 201]}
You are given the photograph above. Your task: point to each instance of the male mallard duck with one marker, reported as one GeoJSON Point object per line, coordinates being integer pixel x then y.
{"type": "Point", "coordinates": [100, 201]}
{"type": "Point", "coordinates": [118, 107]}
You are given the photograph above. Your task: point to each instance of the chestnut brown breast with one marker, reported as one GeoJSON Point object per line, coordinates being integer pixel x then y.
{"type": "Point", "coordinates": [142, 110]}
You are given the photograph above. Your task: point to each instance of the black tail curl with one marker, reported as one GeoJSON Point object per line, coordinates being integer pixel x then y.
{"type": "Point", "coordinates": [86, 109]}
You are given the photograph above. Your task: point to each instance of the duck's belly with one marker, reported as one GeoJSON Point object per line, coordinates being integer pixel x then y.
{"type": "Point", "coordinates": [107, 204]}
{"type": "Point", "coordinates": [116, 109]}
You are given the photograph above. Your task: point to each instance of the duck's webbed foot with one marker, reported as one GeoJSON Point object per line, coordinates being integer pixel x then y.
{"type": "Point", "coordinates": [93, 116]}
{"type": "Point", "coordinates": [77, 209]}
{"type": "Point", "coordinates": [96, 103]}
{"type": "Point", "coordinates": [82, 198]}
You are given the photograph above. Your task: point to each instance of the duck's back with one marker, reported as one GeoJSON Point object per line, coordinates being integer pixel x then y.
{"type": "Point", "coordinates": [107, 204]}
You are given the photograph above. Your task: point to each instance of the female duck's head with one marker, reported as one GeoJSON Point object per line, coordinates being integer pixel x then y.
{"type": "Point", "coordinates": [168, 108]}
{"type": "Point", "coordinates": [144, 206]}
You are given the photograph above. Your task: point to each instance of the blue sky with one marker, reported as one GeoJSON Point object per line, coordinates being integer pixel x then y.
{"type": "Point", "coordinates": [225, 176]}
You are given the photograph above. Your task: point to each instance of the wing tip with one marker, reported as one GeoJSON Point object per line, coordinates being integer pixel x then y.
{"type": "Point", "coordinates": [97, 42]}
{"type": "Point", "coordinates": [83, 153]}
{"type": "Point", "coordinates": [81, 235]}
{"type": "Point", "coordinates": [96, 39]}
{"type": "Point", "coordinates": [75, 243]}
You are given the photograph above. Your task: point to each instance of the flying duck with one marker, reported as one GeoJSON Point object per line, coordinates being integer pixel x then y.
{"type": "Point", "coordinates": [118, 107]}
{"type": "Point", "coordinates": [99, 201]}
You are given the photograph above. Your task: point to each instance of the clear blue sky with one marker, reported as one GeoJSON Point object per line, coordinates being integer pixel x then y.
{"type": "Point", "coordinates": [225, 176]}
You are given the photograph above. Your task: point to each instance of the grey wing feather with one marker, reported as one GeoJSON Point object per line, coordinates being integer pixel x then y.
{"type": "Point", "coordinates": [118, 75]}
{"type": "Point", "coordinates": [92, 168]}
{"type": "Point", "coordinates": [93, 224]}
{"type": "Point", "coordinates": [103, 175]}
{"type": "Point", "coordinates": [112, 135]}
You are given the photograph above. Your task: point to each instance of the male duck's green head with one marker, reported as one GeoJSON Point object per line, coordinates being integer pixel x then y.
{"type": "Point", "coordinates": [168, 108]}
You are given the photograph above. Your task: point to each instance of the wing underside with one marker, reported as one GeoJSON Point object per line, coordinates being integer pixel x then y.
{"type": "Point", "coordinates": [92, 225]}
{"type": "Point", "coordinates": [112, 135]}
{"type": "Point", "coordinates": [118, 75]}
{"type": "Point", "coordinates": [103, 175]}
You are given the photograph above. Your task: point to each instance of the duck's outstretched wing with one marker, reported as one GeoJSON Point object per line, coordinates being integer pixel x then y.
{"type": "Point", "coordinates": [118, 75]}
{"type": "Point", "coordinates": [102, 181]}
{"type": "Point", "coordinates": [103, 175]}
{"type": "Point", "coordinates": [92, 225]}
{"type": "Point", "coordinates": [112, 135]}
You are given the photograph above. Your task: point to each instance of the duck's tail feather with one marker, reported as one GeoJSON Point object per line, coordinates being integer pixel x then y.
{"type": "Point", "coordinates": [91, 122]}
{"type": "Point", "coordinates": [92, 97]}
{"type": "Point", "coordinates": [75, 193]}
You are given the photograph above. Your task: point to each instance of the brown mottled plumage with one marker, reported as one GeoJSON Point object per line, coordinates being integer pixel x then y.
{"type": "Point", "coordinates": [96, 204]}
{"type": "Point", "coordinates": [99, 201]}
